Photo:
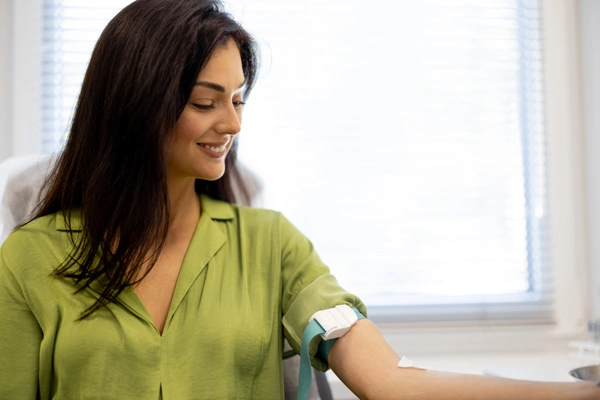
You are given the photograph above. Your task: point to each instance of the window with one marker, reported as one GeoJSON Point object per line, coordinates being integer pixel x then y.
{"type": "Point", "coordinates": [408, 139]}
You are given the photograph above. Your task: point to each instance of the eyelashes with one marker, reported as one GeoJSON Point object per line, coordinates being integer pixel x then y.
{"type": "Point", "coordinates": [208, 107]}
{"type": "Point", "coordinates": [204, 107]}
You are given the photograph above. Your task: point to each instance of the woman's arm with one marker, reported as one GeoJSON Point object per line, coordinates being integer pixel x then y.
{"type": "Point", "coordinates": [20, 337]}
{"type": "Point", "coordinates": [364, 361]}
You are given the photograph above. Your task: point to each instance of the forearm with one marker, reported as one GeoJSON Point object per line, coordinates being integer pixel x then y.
{"type": "Point", "coordinates": [415, 384]}
{"type": "Point", "coordinates": [368, 366]}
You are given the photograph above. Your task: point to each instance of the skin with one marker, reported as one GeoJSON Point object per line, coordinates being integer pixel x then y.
{"type": "Point", "coordinates": [362, 358]}
{"type": "Point", "coordinates": [212, 115]}
{"type": "Point", "coordinates": [364, 361]}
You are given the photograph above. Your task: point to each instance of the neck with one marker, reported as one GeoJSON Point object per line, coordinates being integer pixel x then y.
{"type": "Point", "coordinates": [184, 203]}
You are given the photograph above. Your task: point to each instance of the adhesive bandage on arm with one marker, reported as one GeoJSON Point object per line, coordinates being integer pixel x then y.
{"type": "Point", "coordinates": [406, 363]}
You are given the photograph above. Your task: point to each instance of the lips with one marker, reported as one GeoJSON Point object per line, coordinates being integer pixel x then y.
{"type": "Point", "coordinates": [214, 150]}
{"type": "Point", "coordinates": [217, 148]}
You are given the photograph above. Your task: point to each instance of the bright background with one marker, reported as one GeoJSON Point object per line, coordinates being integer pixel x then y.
{"type": "Point", "coordinates": [399, 148]}
{"type": "Point", "coordinates": [408, 141]}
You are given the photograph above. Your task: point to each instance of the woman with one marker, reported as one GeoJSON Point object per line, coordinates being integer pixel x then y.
{"type": "Point", "coordinates": [138, 278]}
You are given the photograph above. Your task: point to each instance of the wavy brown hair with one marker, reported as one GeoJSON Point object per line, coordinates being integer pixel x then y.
{"type": "Point", "coordinates": [139, 79]}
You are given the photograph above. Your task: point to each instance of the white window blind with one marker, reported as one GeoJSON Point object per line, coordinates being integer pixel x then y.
{"type": "Point", "coordinates": [405, 139]}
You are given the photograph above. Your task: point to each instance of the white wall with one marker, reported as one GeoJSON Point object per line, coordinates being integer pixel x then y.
{"type": "Point", "coordinates": [6, 27]}
{"type": "Point", "coordinates": [590, 56]}
{"type": "Point", "coordinates": [26, 77]}
{"type": "Point", "coordinates": [20, 78]}
{"type": "Point", "coordinates": [565, 165]}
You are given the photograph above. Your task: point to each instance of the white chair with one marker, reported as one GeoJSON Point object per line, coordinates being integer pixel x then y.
{"type": "Point", "coordinates": [20, 181]}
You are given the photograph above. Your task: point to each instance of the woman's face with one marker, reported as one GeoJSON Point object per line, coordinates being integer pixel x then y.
{"type": "Point", "coordinates": [205, 130]}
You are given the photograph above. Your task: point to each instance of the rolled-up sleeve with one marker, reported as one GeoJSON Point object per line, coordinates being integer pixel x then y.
{"type": "Point", "coordinates": [308, 287]}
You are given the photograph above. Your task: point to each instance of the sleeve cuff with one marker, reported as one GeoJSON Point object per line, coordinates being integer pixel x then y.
{"type": "Point", "coordinates": [321, 294]}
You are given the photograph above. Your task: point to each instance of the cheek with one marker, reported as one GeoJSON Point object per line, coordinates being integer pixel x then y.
{"type": "Point", "coordinates": [186, 130]}
{"type": "Point", "coordinates": [188, 126]}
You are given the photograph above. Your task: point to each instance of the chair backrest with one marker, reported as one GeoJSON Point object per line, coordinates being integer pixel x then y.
{"type": "Point", "coordinates": [20, 181]}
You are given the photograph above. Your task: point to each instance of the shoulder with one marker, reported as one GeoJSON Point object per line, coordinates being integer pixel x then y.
{"type": "Point", "coordinates": [273, 227]}
{"type": "Point", "coordinates": [38, 243]}
{"type": "Point", "coordinates": [254, 224]}
{"type": "Point", "coordinates": [30, 233]}
{"type": "Point", "coordinates": [258, 216]}
{"type": "Point", "coordinates": [245, 217]}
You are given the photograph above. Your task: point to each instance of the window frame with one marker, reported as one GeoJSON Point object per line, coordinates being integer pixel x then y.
{"type": "Point", "coordinates": [568, 240]}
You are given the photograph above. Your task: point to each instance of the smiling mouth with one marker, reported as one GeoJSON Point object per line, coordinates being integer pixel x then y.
{"type": "Point", "coordinates": [216, 149]}
{"type": "Point", "coordinates": [217, 152]}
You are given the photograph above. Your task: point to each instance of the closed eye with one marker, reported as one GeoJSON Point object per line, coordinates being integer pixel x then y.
{"type": "Point", "coordinates": [204, 107]}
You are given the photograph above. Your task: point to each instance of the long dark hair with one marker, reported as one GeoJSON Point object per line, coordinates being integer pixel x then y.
{"type": "Point", "coordinates": [141, 74]}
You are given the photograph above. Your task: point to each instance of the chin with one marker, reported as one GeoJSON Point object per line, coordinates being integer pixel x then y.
{"type": "Point", "coordinates": [212, 175]}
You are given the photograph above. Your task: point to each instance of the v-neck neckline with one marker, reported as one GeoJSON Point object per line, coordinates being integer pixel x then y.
{"type": "Point", "coordinates": [206, 240]}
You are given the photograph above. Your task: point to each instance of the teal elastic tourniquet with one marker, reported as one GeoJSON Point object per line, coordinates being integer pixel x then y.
{"type": "Point", "coordinates": [312, 332]}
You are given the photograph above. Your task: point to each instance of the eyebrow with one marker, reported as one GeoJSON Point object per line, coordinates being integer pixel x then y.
{"type": "Point", "coordinates": [216, 86]}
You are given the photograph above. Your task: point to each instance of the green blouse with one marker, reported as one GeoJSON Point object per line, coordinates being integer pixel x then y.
{"type": "Point", "coordinates": [248, 279]}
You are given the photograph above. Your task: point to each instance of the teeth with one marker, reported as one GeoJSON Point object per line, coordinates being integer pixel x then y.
{"type": "Point", "coordinates": [215, 149]}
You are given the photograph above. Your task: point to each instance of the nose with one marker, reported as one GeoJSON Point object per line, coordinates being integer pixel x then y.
{"type": "Point", "coordinates": [230, 121]}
